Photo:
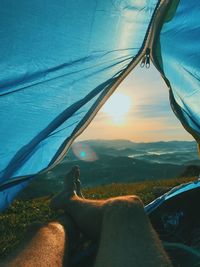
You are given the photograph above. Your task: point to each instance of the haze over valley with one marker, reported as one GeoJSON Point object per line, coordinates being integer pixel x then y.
{"type": "Point", "coordinates": [120, 161]}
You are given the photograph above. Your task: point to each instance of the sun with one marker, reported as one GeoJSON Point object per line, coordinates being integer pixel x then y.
{"type": "Point", "coordinates": [117, 107]}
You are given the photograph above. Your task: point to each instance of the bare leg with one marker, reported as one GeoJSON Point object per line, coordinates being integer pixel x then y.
{"type": "Point", "coordinates": [127, 237]}
{"type": "Point", "coordinates": [80, 210]}
{"type": "Point", "coordinates": [48, 245]}
{"type": "Point", "coordinates": [43, 246]}
{"type": "Point", "coordinates": [59, 201]}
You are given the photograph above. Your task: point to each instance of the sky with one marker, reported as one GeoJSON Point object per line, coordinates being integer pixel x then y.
{"type": "Point", "coordinates": [139, 110]}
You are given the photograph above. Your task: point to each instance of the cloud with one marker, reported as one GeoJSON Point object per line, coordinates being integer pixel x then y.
{"type": "Point", "coordinates": [153, 110]}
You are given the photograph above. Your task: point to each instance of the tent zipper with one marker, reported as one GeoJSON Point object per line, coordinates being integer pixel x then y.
{"type": "Point", "coordinates": [146, 59]}
{"type": "Point", "coordinates": [145, 54]}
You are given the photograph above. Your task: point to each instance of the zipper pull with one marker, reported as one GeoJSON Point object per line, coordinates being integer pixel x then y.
{"type": "Point", "coordinates": [142, 64]}
{"type": "Point", "coordinates": [146, 59]}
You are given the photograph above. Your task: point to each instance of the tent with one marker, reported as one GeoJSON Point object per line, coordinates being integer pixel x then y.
{"type": "Point", "coordinates": [61, 60]}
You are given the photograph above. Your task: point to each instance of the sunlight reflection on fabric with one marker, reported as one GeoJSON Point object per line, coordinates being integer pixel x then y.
{"type": "Point", "coordinates": [129, 23]}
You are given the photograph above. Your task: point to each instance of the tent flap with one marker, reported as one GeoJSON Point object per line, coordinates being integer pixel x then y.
{"type": "Point", "coordinates": [177, 53]}
{"type": "Point", "coordinates": [58, 60]}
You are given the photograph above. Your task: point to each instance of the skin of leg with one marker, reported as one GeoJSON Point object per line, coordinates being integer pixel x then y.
{"type": "Point", "coordinates": [125, 232]}
{"type": "Point", "coordinates": [127, 237]}
{"type": "Point", "coordinates": [43, 246]}
{"type": "Point", "coordinates": [87, 214]}
{"type": "Point", "coordinates": [71, 183]}
{"type": "Point", "coordinates": [72, 203]}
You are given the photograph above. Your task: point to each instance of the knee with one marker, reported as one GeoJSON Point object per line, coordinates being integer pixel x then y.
{"type": "Point", "coordinates": [124, 208]}
{"type": "Point", "coordinates": [54, 228]}
{"type": "Point", "coordinates": [124, 203]}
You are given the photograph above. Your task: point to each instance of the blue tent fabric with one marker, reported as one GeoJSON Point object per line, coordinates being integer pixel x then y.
{"type": "Point", "coordinates": [172, 193]}
{"type": "Point", "coordinates": [58, 60]}
{"type": "Point", "coordinates": [61, 59]}
{"type": "Point", "coordinates": [7, 195]}
{"type": "Point", "coordinates": [180, 56]}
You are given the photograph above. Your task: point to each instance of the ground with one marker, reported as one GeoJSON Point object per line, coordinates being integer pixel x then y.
{"type": "Point", "coordinates": [21, 214]}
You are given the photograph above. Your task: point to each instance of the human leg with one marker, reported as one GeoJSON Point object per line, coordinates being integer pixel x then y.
{"type": "Point", "coordinates": [83, 212]}
{"type": "Point", "coordinates": [127, 237]}
{"type": "Point", "coordinates": [44, 245]}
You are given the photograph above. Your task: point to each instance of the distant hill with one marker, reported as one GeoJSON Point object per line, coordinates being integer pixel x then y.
{"type": "Point", "coordinates": [191, 170]}
{"type": "Point", "coordinates": [174, 152]}
{"type": "Point", "coordinates": [105, 162]}
{"type": "Point", "coordinates": [120, 161]}
{"type": "Point", "coordinates": [122, 144]}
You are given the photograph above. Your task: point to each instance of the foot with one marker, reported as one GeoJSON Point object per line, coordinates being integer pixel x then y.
{"type": "Point", "coordinates": [60, 200]}
{"type": "Point", "coordinates": [70, 179]}
{"type": "Point", "coordinates": [78, 183]}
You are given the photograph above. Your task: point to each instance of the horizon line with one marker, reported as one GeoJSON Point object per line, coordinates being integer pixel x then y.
{"type": "Point", "coordinates": [129, 140]}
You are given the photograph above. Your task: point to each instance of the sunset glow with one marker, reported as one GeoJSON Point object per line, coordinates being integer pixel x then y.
{"type": "Point", "coordinates": [139, 110]}
{"type": "Point", "coordinates": [117, 107]}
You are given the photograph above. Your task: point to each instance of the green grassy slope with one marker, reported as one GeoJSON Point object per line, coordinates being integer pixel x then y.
{"type": "Point", "coordinates": [21, 214]}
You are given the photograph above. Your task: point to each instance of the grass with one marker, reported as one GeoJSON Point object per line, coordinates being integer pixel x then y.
{"type": "Point", "coordinates": [145, 190]}
{"type": "Point", "coordinates": [21, 214]}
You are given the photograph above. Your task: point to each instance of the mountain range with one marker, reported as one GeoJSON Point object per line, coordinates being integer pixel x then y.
{"type": "Point", "coordinates": [120, 161]}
